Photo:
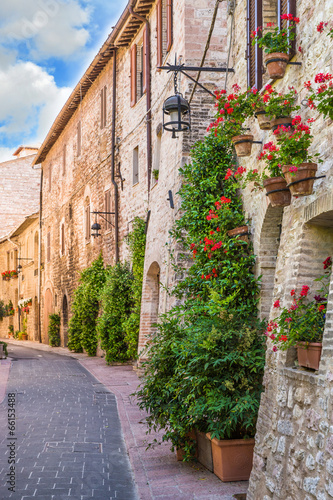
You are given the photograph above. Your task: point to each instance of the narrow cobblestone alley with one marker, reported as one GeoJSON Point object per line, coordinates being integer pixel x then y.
{"type": "Point", "coordinates": [67, 440]}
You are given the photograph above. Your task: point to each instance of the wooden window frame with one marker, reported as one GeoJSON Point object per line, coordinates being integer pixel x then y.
{"type": "Point", "coordinates": [164, 11]}
{"type": "Point", "coordinates": [79, 139]}
{"type": "Point", "coordinates": [64, 160]}
{"type": "Point", "coordinates": [254, 77]}
{"type": "Point", "coordinates": [287, 7]}
{"type": "Point", "coordinates": [135, 163]}
{"type": "Point", "coordinates": [87, 222]}
{"type": "Point", "coordinates": [103, 107]}
{"type": "Point", "coordinates": [133, 55]}
{"type": "Point", "coordinates": [62, 236]}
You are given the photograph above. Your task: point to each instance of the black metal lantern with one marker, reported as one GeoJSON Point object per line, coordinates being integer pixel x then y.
{"type": "Point", "coordinates": [95, 229]}
{"type": "Point", "coordinates": [178, 109]}
{"type": "Point", "coordinates": [19, 268]}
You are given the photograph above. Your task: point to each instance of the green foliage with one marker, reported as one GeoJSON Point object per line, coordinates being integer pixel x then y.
{"type": "Point", "coordinates": [116, 303]}
{"type": "Point", "coordinates": [82, 326]}
{"type": "Point", "coordinates": [3, 311]}
{"type": "Point", "coordinates": [277, 40]}
{"type": "Point", "coordinates": [137, 243]}
{"type": "Point", "coordinates": [206, 361]}
{"type": "Point", "coordinates": [11, 330]}
{"type": "Point", "coordinates": [4, 347]}
{"type": "Point", "coordinates": [54, 330]}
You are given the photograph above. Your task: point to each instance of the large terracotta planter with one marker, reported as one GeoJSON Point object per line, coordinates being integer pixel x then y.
{"type": "Point", "coordinates": [242, 232]}
{"type": "Point", "coordinates": [232, 458]}
{"type": "Point", "coordinates": [243, 144]}
{"type": "Point", "coordinates": [309, 354]}
{"type": "Point", "coordinates": [204, 446]}
{"type": "Point", "coordinates": [301, 182]}
{"type": "Point", "coordinates": [277, 191]}
{"type": "Point", "coordinates": [24, 336]}
{"type": "Point", "coordinates": [180, 452]}
{"type": "Point", "coordinates": [285, 121]}
{"type": "Point", "coordinates": [276, 64]}
{"type": "Point", "coordinates": [263, 120]}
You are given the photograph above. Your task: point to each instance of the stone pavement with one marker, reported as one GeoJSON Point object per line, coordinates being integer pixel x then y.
{"type": "Point", "coordinates": [67, 439]}
{"type": "Point", "coordinates": [157, 474]}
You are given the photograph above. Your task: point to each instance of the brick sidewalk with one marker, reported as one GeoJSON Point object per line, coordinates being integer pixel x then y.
{"type": "Point", "coordinates": [157, 473]}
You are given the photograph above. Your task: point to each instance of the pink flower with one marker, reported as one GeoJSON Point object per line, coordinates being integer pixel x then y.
{"type": "Point", "coordinates": [304, 290]}
{"type": "Point", "coordinates": [276, 303]}
{"type": "Point", "coordinates": [274, 348]}
{"type": "Point", "coordinates": [287, 320]}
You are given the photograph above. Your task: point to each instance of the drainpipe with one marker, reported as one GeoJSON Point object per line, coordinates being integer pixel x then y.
{"type": "Point", "coordinates": [148, 89]}
{"type": "Point", "coordinates": [18, 282]}
{"type": "Point", "coordinates": [40, 257]}
{"type": "Point", "coordinates": [113, 145]}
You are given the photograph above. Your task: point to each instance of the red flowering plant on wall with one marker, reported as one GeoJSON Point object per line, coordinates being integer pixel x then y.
{"type": "Point", "coordinates": [294, 147]}
{"type": "Point", "coordinates": [304, 319]}
{"type": "Point", "coordinates": [279, 104]}
{"type": "Point", "coordinates": [324, 28]}
{"type": "Point", "coordinates": [321, 94]}
{"type": "Point", "coordinates": [233, 109]}
{"type": "Point", "coordinates": [6, 275]}
{"type": "Point", "coordinates": [276, 39]}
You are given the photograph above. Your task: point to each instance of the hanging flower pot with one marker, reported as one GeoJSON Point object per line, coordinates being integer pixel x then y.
{"type": "Point", "coordinates": [243, 144]}
{"type": "Point", "coordinates": [242, 232]}
{"type": "Point", "coordinates": [263, 120]}
{"type": "Point", "coordinates": [300, 181]}
{"type": "Point", "coordinates": [276, 64]}
{"type": "Point", "coordinates": [282, 121]}
{"type": "Point", "coordinates": [277, 191]}
{"type": "Point", "coordinates": [309, 354]}
{"type": "Point", "coordinates": [232, 458]}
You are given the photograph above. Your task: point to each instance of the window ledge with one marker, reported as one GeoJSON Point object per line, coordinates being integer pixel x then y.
{"type": "Point", "coordinates": [303, 375]}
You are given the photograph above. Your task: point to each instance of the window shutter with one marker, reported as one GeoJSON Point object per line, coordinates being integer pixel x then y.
{"type": "Point", "coordinates": [144, 67]}
{"type": "Point", "coordinates": [78, 150]}
{"type": "Point", "coordinates": [254, 53]}
{"type": "Point", "coordinates": [159, 32]}
{"type": "Point", "coordinates": [133, 75]}
{"type": "Point", "coordinates": [169, 25]}
{"type": "Point", "coordinates": [64, 160]}
{"type": "Point", "coordinates": [63, 239]}
{"type": "Point", "coordinates": [102, 108]}
{"type": "Point", "coordinates": [87, 222]}
{"type": "Point", "coordinates": [105, 107]}
{"type": "Point", "coordinates": [287, 7]}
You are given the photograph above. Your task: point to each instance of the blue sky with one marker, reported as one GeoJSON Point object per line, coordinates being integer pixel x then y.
{"type": "Point", "coordinates": [45, 47]}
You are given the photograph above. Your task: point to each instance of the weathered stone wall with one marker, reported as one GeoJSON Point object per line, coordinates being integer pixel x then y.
{"type": "Point", "coordinates": [293, 452]}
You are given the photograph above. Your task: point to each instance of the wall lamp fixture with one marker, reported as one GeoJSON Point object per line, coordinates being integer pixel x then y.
{"type": "Point", "coordinates": [96, 227]}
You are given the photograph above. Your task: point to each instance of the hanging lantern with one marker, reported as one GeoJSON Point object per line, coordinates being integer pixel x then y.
{"type": "Point", "coordinates": [95, 229]}
{"type": "Point", "coordinates": [178, 109]}
{"type": "Point", "coordinates": [19, 268]}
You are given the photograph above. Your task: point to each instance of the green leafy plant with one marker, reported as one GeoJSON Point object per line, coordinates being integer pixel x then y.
{"type": "Point", "coordinates": [3, 311]}
{"type": "Point", "coordinates": [116, 304]}
{"type": "Point", "coordinates": [279, 104]}
{"type": "Point", "coordinates": [156, 173]}
{"type": "Point", "coordinates": [278, 39]}
{"type": "Point", "coordinates": [304, 320]}
{"type": "Point", "coordinates": [5, 350]}
{"type": "Point", "coordinates": [321, 96]}
{"type": "Point", "coordinates": [11, 330]}
{"type": "Point", "coordinates": [54, 330]}
{"type": "Point", "coordinates": [137, 244]}
{"type": "Point", "coordinates": [206, 359]}
{"type": "Point", "coordinates": [82, 326]}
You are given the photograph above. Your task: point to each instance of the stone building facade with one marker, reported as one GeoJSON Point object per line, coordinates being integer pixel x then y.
{"type": "Point", "coordinates": [108, 139]}
{"type": "Point", "coordinates": [20, 248]}
{"type": "Point", "coordinates": [293, 453]}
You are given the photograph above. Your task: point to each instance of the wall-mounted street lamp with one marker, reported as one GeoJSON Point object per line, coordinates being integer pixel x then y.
{"type": "Point", "coordinates": [96, 227]}
{"type": "Point", "coordinates": [19, 267]}
{"type": "Point", "coordinates": [177, 107]}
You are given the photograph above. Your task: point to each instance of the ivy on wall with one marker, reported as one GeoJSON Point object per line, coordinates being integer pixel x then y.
{"type": "Point", "coordinates": [206, 359]}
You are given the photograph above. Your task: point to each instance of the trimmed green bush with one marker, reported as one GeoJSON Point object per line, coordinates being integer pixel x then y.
{"type": "Point", "coordinates": [54, 330]}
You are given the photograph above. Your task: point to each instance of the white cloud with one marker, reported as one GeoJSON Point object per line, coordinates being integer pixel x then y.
{"type": "Point", "coordinates": [6, 154]}
{"type": "Point", "coordinates": [49, 28]}
{"type": "Point", "coordinates": [28, 95]}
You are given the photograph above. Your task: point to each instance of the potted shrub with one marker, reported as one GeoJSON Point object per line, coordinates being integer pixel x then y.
{"type": "Point", "coordinates": [54, 330]}
{"type": "Point", "coordinates": [155, 173]}
{"type": "Point", "coordinates": [321, 96]}
{"type": "Point", "coordinates": [270, 178]}
{"type": "Point", "coordinates": [232, 111]}
{"type": "Point", "coordinates": [259, 107]}
{"type": "Point", "coordinates": [6, 275]}
{"type": "Point", "coordinates": [276, 43]}
{"type": "Point", "coordinates": [11, 331]}
{"type": "Point", "coordinates": [13, 274]}
{"type": "Point", "coordinates": [302, 323]}
{"type": "Point", "coordinates": [279, 106]}
{"type": "Point", "coordinates": [299, 168]}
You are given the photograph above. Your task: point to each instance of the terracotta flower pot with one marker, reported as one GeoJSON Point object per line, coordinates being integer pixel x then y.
{"type": "Point", "coordinates": [277, 191]}
{"type": "Point", "coordinates": [242, 232]}
{"type": "Point", "coordinates": [276, 64]}
{"type": "Point", "coordinates": [263, 120]}
{"type": "Point", "coordinates": [24, 336]}
{"type": "Point", "coordinates": [309, 354]}
{"type": "Point", "coordinates": [300, 182]}
{"type": "Point", "coordinates": [232, 458]}
{"type": "Point", "coordinates": [180, 452]}
{"type": "Point", "coordinates": [286, 121]}
{"type": "Point", "coordinates": [243, 144]}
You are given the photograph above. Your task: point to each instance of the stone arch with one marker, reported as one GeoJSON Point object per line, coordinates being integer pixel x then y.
{"type": "Point", "coordinates": [150, 304]}
{"type": "Point", "coordinates": [48, 309]}
{"type": "Point", "coordinates": [64, 320]}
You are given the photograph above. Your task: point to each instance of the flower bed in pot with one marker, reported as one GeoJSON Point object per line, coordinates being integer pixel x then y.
{"type": "Point", "coordinates": [232, 458]}
{"type": "Point", "coordinates": [277, 191]}
{"type": "Point", "coordinates": [309, 354]}
{"type": "Point", "coordinates": [300, 178]}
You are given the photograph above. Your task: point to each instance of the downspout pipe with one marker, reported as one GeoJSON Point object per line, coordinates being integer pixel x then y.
{"type": "Point", "coordinates": [148, 89]}
{"type": "Point", "coordinates": [40, 256]}
{"type": "Point", "coordinates": [113, 146]}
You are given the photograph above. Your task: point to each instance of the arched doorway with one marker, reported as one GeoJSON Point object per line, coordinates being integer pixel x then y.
{"type": "Point", "coordinates": [149, 304]}
{"type": "Point", "coordinates": [65, 321]}
{"type": "Point", "coordinates": [48, 309]}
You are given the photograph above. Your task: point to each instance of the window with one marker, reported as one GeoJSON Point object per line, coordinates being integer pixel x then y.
{"type": "Point", "coordinates": [15, 259]}
{"type": "Point", "coordinates": [287, 7]}
{"type": "Point", "coordinates": [108, 208]}
{"type": "Point", "coordinates": [78, 146]}
{"type": "Point", "coordinates": [103, 107]}
{"type": "Point", "coordinates": [164, 29]}
{"type": "Point", "coordinates": [157, 156]}
{"type": "Point", "coordinates": [64, 160]}
{"type": "Point", "coordinates": [48, 247]}
{"type": "Point", "coordinates": [135, 165]}
{"type": "Point", "coordinates": [8, 261]}
{"type": "Point", "coordinates": [87, 221]}
{"type": "Point", "coordinates": [50, 176]}
{"type": "Point", "coordinates": [62, 237]}
{"type": "Point", "coordinates": [254, 53]}
{"type": "Point", "coordinates": [138, 68]}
